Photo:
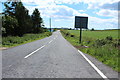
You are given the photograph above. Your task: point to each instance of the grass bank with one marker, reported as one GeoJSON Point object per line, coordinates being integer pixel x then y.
{"type": "Point", "coordinates": [12, 41]}
{"type": "Point", "coordinates": [103, 45]}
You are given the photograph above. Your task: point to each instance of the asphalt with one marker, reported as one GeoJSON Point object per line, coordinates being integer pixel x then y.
{"type": "Point", "coordinates": [51, 57]}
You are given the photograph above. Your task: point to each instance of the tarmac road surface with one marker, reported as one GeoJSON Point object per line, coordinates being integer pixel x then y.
{"type": "Point", "coordinates": [51, 57]}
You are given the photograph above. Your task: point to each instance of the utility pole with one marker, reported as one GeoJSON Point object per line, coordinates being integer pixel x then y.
{"type": "Point", "coordinates": [50, 24]}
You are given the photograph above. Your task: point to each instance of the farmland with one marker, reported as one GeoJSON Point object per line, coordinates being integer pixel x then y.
{"type": "Point", "coordinates": [100, 34]}
{"type": "Point", "coordinates": [102, 44]}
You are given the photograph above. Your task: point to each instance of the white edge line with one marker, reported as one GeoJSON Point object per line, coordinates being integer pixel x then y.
{"type": "Point", "coordinates": [99, 72]}
{"type": "Point", "coordinates": [34, 52]}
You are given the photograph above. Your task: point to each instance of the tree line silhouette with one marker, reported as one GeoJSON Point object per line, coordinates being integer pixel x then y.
{"type": "Point", "coordinates": [17, 21]}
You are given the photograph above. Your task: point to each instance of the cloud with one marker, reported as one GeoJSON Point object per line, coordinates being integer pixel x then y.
{"type": "Point", "coordinates": [92, 4]}
{"type": "Point", "coordinates": [65, 14]}
{"type": "Point", "coordinates": [89, 2]}
{"type": "Point", "coordinates": [113, 6]}
{"type": "Point", "coordinates": [107, 13]}
{"type": "Point", "coordinates": [63, 11]}
{"type": "Point", "coordinates": [56, 11]}
{"type": "Point", "coordinates": [99, 23]}
{"type": "Point", "coordinates": [104, 4]}
{"type": "Point", "coordinates": [81, 10]}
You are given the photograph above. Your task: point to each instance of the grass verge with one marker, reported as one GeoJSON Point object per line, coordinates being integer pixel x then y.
{"type": "Point", "coordinates": [103, 45]}
{"type": "Point", "coordinates": [12, 41]}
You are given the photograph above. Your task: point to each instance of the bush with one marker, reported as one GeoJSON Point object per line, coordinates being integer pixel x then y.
{"type": "Point", "coordinates": [10, 25]}
{"type": "Point", "coordinates": [100, 42]}
{"type": "Point", "coordinates": [116, 43]}
{"type": "Point", "coordinates": [109, 38]}
{"type": "Point", "coordinates": [105, 49]}
{"type": "Point", "coordinates": [67, 34]}
{"type": "Point", "coordinates": [72, 35]}
{"type": "Point", "coordinates": [88, 42]}
{"type": "Point", "coordinates": [92, 29]}
{"type": "Point", "coordinates": [12, 40]}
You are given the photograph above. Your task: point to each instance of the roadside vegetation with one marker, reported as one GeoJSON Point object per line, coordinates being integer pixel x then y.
{"type": "Point", "coordinates": [19, 27]}
{"type": "Point", "coordinates": [12, 41]}
{"type": "Point", "coordinates": [104, 45]}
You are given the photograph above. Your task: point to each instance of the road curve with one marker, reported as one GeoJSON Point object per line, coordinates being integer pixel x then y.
{"type": "Point", "coordinates": [51, 57]}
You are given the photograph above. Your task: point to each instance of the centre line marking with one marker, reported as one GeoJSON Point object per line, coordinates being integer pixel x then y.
{"type": "Point", "coordinates": [50, 41]}
{"type": "Point", "coordinates": [34, 51]}
{"type": "Point", "coordinates": [99, 72]}
{"type": "Point", "coordinates": [10, 65]}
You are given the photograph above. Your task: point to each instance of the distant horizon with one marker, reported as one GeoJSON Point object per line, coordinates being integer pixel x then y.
{"type": "Point", "coordinates": [82, 29]}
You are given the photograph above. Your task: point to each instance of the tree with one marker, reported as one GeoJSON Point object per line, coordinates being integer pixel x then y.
{"type": "Point", "coordinates": [17, 11]}
{"type": "Point", "coordinates": [10, 8]}
{"type": "Point", "coordinates": [21, 14]}
{"type": "Point", "coordinates": [9, 21]}
{"type": "Point", "coordinates": [17, 20]}
{"type": "Point", "coordinates": [29, 24]}
{"type": "Point", "coordinates": [10, 25]}
{"type": "Point", "coordinates": [37, 21]}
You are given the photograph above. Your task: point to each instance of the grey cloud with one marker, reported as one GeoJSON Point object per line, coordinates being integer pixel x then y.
{"type": "Point", "coordinates": [119, 5]}
{"type": "Point", "coordinates": [64, 12]}
{"type": "Point", "coordinates": [113, 6]}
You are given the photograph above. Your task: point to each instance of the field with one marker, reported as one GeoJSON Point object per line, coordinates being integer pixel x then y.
{"type": "Point", "coordinates": [103, 45]}
{"type": "Point", "coordinates": [12, 41]}
{"type": "Point", "coordinates": [96, 34]}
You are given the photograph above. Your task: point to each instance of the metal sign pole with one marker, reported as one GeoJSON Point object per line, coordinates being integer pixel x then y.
{"type": "Point", "coordinates": [81, 22]}
{"type": "Point", "coordinates": [80, 35]}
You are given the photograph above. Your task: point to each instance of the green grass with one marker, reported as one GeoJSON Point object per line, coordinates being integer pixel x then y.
{"type": "Point", "coordinates": [103, 45]}
{"type": "Point", "coordinates": [96, 34]}
{"type": "Point", "coordinates": [12, 41]}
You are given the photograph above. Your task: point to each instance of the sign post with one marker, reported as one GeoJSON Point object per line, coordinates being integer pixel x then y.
{"type": "Point", "coordinates": [81, 22]}
{"type": "Point", "coordinates": [80, 35]}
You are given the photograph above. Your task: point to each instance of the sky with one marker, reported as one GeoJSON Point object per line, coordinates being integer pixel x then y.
{"type": "Point", "coordinates": [102, 14]}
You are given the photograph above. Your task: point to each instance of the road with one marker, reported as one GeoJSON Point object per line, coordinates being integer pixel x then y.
{"type": "Point", "coordinates": [51, 57]}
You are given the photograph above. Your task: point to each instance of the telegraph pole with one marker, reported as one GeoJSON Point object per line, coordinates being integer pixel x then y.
{"type": "Point", "coordinates": [50, 24]}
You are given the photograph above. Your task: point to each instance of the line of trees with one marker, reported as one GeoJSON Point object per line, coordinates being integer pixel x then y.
{"type": "Point", "coordinates": [17, 21]}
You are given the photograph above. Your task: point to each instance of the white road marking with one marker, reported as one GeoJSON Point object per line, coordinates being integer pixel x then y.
{"type": "Point", "coordinates": [99, 72]}
{"type": "Point", "coordinates": [10, 65]}
{"type": "Point", "coordinates": [34, 51]}
{"type": "Point", "coordinates": [55, 37]}
{"type": "Point", "coordinates": [50, 41]}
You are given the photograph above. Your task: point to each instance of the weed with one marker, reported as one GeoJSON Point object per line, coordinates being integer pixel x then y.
{"type": "Point", "coordinates": [103, 45]}
{"type": "Point", "coordinates": [11, 41]}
